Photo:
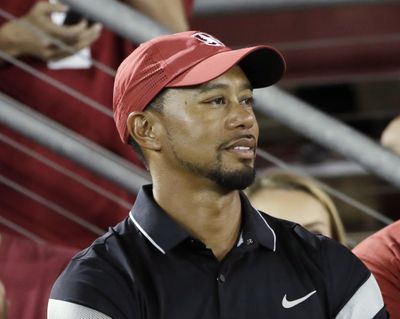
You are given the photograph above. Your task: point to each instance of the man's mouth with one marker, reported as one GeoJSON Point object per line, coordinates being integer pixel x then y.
{"type": "Point", "coordinates": [243, 148]}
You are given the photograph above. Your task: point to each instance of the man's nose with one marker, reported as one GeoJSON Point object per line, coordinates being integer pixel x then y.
{"type": "Point", "coordinates": [241, 117]}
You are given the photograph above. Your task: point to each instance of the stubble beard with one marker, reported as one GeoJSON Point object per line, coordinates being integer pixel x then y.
{"type": "Point", "coordinates": [237, 179]}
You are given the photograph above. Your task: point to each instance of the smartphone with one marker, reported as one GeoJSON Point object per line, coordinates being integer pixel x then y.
{"type": "Point", "coordinates": [74, 17]}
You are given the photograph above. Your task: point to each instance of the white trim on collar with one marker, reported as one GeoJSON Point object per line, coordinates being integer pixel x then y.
{"type": "Point", "coordinates": [240, 241]}
{"type": "Point", "coordinates": [144, 233]}
{"type": "Point", "coordinates": [273, 233]}
{"type": "Point", "coordinates": [152, 241]}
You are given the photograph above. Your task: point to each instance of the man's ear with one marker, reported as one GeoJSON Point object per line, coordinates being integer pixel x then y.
{"type": "Point", "coordinates": [142, 128]}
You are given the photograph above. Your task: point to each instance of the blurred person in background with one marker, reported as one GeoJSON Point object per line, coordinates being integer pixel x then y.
{"type": "Point", "coordinates": [27, 38]}
{"type": "Point", "coordinates": [27, 269]}
{"type": "Point", "coordinates": [27, 272]}
{"type": "Point", "coordinates": [297, 198]}
{"type": "Point", "coordinates": [381, 254]}
{"type": "Point", "coordinates": [381, 251]}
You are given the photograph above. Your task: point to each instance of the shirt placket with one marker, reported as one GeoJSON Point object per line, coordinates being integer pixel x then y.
{"type": "Point", "coordinates": [226, 275]}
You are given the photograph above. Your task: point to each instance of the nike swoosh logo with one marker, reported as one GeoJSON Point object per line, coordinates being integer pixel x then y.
{"type": "Point", "coordinates": [291, 303]}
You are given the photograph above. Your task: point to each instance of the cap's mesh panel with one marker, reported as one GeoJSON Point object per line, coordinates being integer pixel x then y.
{"type": "Point", "coordinates": [149, 82]}
{"type": "Point", "coordinates": [152, 83]}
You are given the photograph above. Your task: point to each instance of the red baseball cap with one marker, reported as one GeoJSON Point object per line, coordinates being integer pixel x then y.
{"type": "Point", "coordinates": [185, 59]}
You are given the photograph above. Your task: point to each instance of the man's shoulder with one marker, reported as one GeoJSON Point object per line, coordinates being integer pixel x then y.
{"type": "Point", "coordinates": [288, 230]}
{"type": "Point", "coordinates": [292, 238]}
{"type": "Point", "coordinates": [110, 248]}
{"type": "Point", "coordinates": [101, 273]}
{"type": "Point", "coordinates": [107, 258]}
{"type": "Point", "coordinates": [336, 272]}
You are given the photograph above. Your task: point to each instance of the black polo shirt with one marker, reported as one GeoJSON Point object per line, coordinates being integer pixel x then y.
{"type": "Point", "coordinates": [149, 267]}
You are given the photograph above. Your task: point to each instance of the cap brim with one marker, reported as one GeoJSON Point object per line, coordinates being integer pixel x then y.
{"type": "Point", "coordinates": [263, 66]}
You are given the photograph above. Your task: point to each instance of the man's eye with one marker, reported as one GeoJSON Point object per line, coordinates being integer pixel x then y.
{"type": "Point", "coordinates": [217, 101]}
{"type": "Point", "coordinates": [248, 101]}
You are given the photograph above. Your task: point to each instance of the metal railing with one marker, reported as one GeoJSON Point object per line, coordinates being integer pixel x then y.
{"type": "Point", "coordinates": [71, 145]}
{"type": "Point", "coordinates": [213, 7]}
{"type": "Point", "coordinates": [327, 131]}
{"type": "Point", "coordinates": [276, 103]}
{"type": "Point", "coordinates": [130, 23]}
{"type": "Point", "coordinates": [272, 101]}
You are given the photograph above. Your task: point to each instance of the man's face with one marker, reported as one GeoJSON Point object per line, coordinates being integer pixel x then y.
{"type": "Point", "coordinates": [211, 131]}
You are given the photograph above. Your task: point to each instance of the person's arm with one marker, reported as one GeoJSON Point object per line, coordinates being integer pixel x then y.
{"type": "Point", "coordinates": [391, 136]}
{"type": "Point", "coordinates": [365, 302]}
{"type": "Point", "coordinates": [349, 288]}
{"type": "Point", "coordinates": [29, 34]}
{"type": "Point", "coordinates": [381, 254]}
{"type": "Point", "coordinates": [3, 299]}
{"type": "Point", "coordinates": [91, 287]}
{"type": "Point", "coordinates": [169, 13]}
{"type": "Point", "coordinates": [353, 290]}
{"type": "Point", "coordinates": [3, 302]}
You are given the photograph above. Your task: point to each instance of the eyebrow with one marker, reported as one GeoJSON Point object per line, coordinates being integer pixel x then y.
{"type": "Point", "coordinates": [214, 86]}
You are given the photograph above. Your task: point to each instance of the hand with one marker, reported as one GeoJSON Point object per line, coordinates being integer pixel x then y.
{"type": "Point", "coordinates": [3, 302]}
{"type": "Point", "coordinates": [29, 35]}
{"type": "Point", "coordinates": [169, 13]}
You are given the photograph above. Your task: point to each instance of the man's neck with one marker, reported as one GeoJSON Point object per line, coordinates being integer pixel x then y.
{"type": "Point", "coordinates": [208, 214]}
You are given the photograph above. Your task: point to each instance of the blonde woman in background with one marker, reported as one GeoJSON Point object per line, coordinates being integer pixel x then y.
{"type": "Point", "coordinates": [299, 199]}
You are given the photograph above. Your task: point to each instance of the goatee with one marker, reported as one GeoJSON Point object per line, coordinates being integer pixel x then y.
{"type": "Point", "coordinates": [230, 180]}
{"type": "Point", "coordinates": [235, 180]}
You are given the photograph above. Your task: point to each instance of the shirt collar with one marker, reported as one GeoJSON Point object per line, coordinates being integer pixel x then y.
{"type": "Point", "coordinates": [164, 233]}
{"type": "Point", "coordinates": [154, 223]}
{"type": "Point", "coordinates": [255, 226]}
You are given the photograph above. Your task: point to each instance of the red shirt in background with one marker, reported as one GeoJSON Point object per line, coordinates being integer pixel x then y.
{"type": "Point", "coordinates": [381, 254]}
{"type": "Point", "coordinates": [73, 114]}
{"type": "Point", "coordinates": [28, 271]}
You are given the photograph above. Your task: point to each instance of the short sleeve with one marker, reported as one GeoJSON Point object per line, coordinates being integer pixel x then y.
{"type": "Point", "coordinates": [96, 283]}
{"type": "Point", "coordinates": [353, 289]}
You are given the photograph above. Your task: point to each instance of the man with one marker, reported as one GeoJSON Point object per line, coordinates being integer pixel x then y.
{"type": "Point", "coordinates": [193, 246]}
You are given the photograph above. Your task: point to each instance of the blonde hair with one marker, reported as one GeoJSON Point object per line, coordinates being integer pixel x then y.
{"type": "Point", "coordinates": [279, 179]}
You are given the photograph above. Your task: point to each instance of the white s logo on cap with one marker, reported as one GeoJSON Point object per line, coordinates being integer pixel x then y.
{"type": "Point", "coordinates": [208, 39]}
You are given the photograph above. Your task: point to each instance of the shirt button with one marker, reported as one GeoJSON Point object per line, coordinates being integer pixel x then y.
{"type": "Point", "coordinates": [249, 242]}
{"type": "Point", "coordinates": [221, 278]}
